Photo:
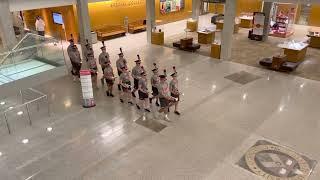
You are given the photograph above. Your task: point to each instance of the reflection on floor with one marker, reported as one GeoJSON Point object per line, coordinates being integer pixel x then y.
{"type": "Point", "coordinates": [249, 52]}
{"type": "Point", "coordinates": [25, 68]}
{"type": "Point", "coordinates": [220, 121]}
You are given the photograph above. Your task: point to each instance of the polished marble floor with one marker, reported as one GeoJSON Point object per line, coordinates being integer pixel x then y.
{"type": "Point", "coordinates": [249, 52]}
{"type": "Point", "coordinates": [221, 119]}
{"type": "Point", "coordinates": [226, 109]}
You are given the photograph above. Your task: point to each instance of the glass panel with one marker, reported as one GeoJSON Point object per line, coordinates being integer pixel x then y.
{"type": "Point", "coordinates": [32, 55]}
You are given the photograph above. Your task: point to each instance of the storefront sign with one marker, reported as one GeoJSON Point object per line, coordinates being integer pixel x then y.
{"type": "Point", "coordinates": [130, 3]}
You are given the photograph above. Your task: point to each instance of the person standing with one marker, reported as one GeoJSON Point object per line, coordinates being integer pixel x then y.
{"type": "Point", "coordinates": [75, 59]}
{"type": "Point", "coordinates": [121, 63]}
{"type": "Point", "coordinates": [165, 99]}
{"type": "Point", "coordinates": [174, 90]}
{"type": "Point", "coordinates": [136, 74]}
{"type": "Point", "coordinates": [125, 83]}
{"type": "Point", "coordinates": [104, 59]}
{"type": "Point", "coordinates": [143, 92]}
{"type": "Point", "coordinates": [40, 26]}
{"type": "Point", "coordinates": [93, 69]}
{"type": "Point", "coordinates": [109, 76]}
{"type": "Point", "coordinates": [155, 80]}
{"type": "Point", "coordinates": [89, 50]}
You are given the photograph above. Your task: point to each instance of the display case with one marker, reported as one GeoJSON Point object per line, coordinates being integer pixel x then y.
{"type": "Point", "coordinates": [246, 20]}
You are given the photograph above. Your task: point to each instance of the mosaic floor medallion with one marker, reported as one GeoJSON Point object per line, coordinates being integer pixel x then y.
{"type": "Point", "coordinates": [275, 162]}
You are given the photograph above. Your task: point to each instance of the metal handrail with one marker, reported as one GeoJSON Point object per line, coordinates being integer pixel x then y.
{"type": "Point", "coordinates": [15, 48]}
{"type": "Point", "coordinates": [26, 104]}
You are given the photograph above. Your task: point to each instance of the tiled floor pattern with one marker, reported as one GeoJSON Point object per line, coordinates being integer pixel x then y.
{"type": "Point", "coordinates": [220, 121]}
{"type": "Point", "coordinates": [242, 77]}
{"type": "Point", "coordinates": [275, 162]}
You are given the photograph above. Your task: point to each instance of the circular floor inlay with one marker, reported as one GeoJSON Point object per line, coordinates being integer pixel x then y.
{"type": "Point", "coordinates": [275, 162]}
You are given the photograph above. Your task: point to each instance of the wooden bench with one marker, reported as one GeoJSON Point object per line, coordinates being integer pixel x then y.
{"type": "Point", "coordinates": [137, 26]}
{"type": "Point", "coordinates": [109, 32]}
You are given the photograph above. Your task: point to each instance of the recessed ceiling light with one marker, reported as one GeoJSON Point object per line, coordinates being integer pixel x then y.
{"type": "Point", "coordinates": [25, 141]}
{"type": "Point", "coordinates": [2, 103]}
{"type": "Point", "coordinates": [244, 96]}
{"type": "Point", "coordinates": [49, 129]}
{"type": "Point", "coordinates": [20, 113]}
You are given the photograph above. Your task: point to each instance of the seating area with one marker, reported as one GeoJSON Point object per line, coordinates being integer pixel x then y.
{"type": "Point", "coordinates": [109, 32]}
{"type": "Point", "coordinates": [279, 63]}
{"type": "Point", "coordinates": [137, 26]}
{"type": "Point", "coordinates": [187, 44]}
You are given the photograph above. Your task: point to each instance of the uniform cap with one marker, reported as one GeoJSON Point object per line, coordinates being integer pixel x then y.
{"type": "Point", "coordinates": [174, 74]}
{"type": "Point", "coordinates": [71, 39]}
{"type": "Point", "coordinates": [143, 73]}
{"type": "Point", "coordinates": [137, 61]}
{"type": "Point", "coordinates": [155, 69]}
{"type": "Point", "coordinates": [103, 48]}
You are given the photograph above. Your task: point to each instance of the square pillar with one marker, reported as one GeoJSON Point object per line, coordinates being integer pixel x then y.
{"type": "Point", "coordinates": [151, 18]}
{"type": "Point", "coordinates": [7, 34]}
{"type": "Point", "coordinates": [196, 6]}
{"type": "Point", "coordinates": [84, 24]}
{"type": "Point", "coordinates": [228, 28]}
{"type": "Point", "coordinates": [267, 7]}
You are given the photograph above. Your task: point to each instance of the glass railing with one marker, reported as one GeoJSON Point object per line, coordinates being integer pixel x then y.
{"type": "Point", "coordinates": [27, 105]}
{"type": "Point", "coordinates": [32, 55]}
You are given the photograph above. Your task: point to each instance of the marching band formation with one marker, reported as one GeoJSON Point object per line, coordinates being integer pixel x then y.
{"type": "Point", "coordinates": [163, 93]}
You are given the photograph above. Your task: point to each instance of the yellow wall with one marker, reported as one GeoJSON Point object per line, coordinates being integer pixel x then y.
{"type": "Point", "coordinates": [243, 6]}
{"type": "Point", "coordinates": [51, 28]}
{"type": "Point", "coordinates": [314, 19]}
{"type": "Point", "coordinates": [250, 6]}
{"type": "Point", "coordinates": [114, 12]}
{"type": "Point", "coordinates": [216, 8]}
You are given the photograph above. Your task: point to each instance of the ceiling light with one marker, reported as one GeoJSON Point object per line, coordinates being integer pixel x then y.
{"type": "Point", "coordinates": [25, 141]}
{"type": "Point", "coordinates": [49, 129]}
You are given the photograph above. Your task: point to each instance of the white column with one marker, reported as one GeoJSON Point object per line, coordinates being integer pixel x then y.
{"type": "Point", "coordinates": [267, 7]}
{"type": "Point", "coordinates": [196, 4]}
{"type": "Point", "coordinates": [151, 18]}
{"type": "Point", "coordinates": [7, 34]}
{"type": "Point", "coordinates": [228, 28]}
{"type": "Point", "coordinates": [83, 23]}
